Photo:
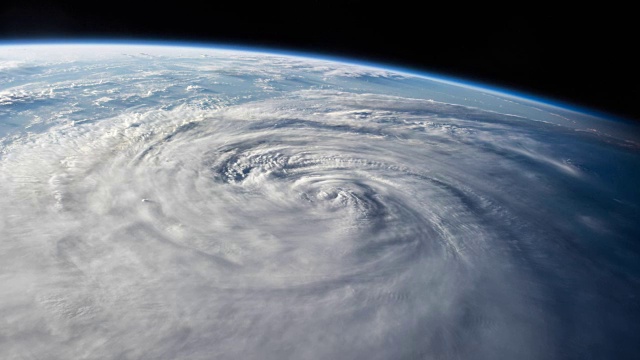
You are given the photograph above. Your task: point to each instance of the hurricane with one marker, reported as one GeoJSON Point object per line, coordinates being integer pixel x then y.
{"type": "Point", "coordinates": [189, 203]}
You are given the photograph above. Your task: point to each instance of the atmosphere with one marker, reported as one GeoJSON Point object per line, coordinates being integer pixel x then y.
{"type": "Point", "coordinates": [203, 202]}
{"type": "Point", "coordinates": [585, 58]}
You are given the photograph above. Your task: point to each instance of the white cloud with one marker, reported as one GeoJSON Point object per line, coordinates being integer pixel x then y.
{"type": "Point", "coordinates": [208, 217]}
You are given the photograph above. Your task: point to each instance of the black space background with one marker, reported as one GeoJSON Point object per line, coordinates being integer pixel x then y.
{"type": "Point", "coordinates": [584, 55]}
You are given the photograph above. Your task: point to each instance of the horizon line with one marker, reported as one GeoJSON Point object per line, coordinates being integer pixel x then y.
{"type": "Point", "coordinates": [408, 70]}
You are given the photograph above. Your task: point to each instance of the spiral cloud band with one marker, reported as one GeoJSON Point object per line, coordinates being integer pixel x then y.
{"type": "Point", "coordinates": [174, 203]}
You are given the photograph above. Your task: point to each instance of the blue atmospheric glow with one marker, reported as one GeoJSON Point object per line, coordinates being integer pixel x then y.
{"type": "Point", "coordinates": [453, 80]}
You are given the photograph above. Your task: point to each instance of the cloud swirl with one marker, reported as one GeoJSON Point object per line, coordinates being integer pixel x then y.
{"type": "Point", "coordinates": [318, 223]}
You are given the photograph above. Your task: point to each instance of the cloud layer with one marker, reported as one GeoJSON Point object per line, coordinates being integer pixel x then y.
{"type": "Point", "coordinates": [313, 223]}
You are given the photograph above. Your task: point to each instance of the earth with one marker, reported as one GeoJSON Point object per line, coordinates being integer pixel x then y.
{"type": "Point", "coordinates": [176, 202]}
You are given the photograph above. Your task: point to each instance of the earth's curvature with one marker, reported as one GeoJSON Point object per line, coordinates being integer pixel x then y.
{"type": "Point", "coordinates": [164, 202]}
